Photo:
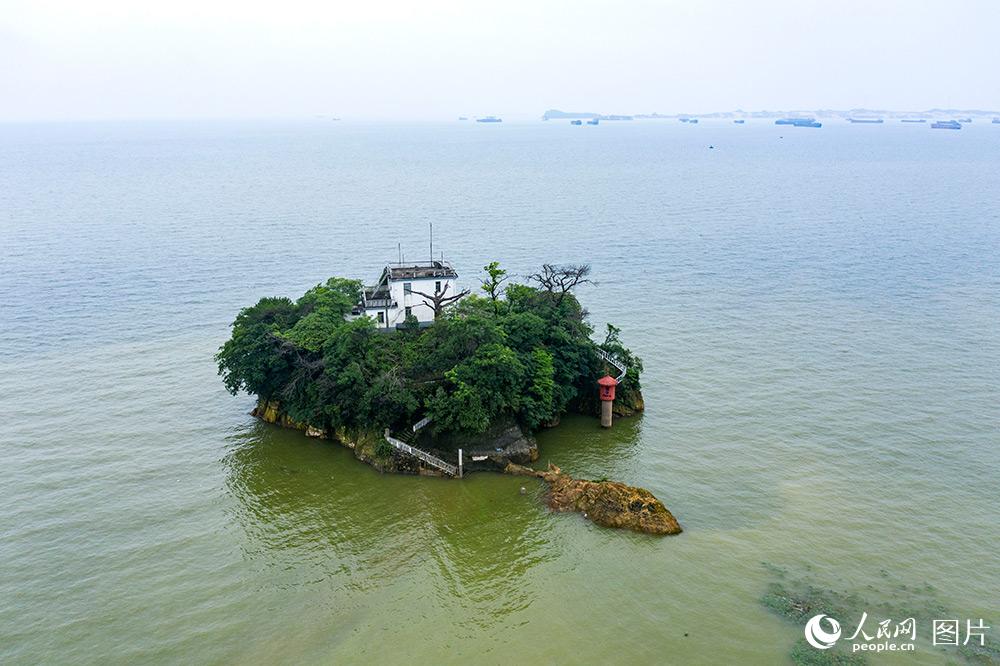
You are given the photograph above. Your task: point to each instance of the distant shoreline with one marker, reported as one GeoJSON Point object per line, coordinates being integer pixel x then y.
{"type": "Point", "coordinates": [556, 114]}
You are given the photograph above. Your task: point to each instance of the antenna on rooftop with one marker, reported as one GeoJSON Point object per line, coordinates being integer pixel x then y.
{"type": "Point", "coordinates": [432, 240]}
{"type": "Point", "coordinates": [399, 250]}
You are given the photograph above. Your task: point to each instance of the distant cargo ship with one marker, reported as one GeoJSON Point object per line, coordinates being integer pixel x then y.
{"type": "Point", "coordinates": [684, 120]}
{"type": "Point", "coordinates": [576, 122]}
{"type": "Point", "coordinates": [693, 121]}
{"type": "Point", "coordinates": [489, 119]}
{"type": "Point", "coordinates": [593, 121]}
{"type": "Point", "coordinates": [870, 121]}
{"type": "Point", "coordinates": [947, 124]}
{"type": "Point", "coordinates": [996, 121]}
{"type": "Point", "coordinates": [739, 122]}
{"type": "Point", "coordinates": [913, 120]}
{"type": "Point", "coordinates": [798, 122]}
{"type": "Point", "coordinates": [965, 120]}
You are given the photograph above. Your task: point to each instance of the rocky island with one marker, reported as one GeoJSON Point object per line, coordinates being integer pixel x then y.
{"type": "Point", "coordinates": [428, 379]}
{"type": "Point", "coordinates": [607, 503]}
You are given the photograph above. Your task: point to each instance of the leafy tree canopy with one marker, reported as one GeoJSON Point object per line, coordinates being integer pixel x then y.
{"type": "Point", "coordinates": [517, 351]}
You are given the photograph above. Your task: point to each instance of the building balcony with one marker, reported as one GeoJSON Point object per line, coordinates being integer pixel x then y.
{"type": "Point", "coordinates": [380, 303]}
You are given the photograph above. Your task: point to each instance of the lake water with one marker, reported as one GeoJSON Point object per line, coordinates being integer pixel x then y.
{"type": "Point", "coordinates": [818, 312]}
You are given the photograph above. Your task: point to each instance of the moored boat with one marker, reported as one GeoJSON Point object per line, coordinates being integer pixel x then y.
{"type": "Point", "coordinates": [798, 122]}
{"type": "Point", "coordinates": [868, 121]}
{"type": "Point", "coordinates": [946, 124]}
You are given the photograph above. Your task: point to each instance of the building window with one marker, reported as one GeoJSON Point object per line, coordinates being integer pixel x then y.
{"type": "Point", "coordinates": [381, 317]}
{"type": "Point", "coordinates": [407, 287]}
{"type": "Point", "coordinates": [437, 287]}
{"type": "Point", "coordinates": [409, 311]}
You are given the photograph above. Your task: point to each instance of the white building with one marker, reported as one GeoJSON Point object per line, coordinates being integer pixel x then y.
{"type": "Point", "coordinates": [394, 297]}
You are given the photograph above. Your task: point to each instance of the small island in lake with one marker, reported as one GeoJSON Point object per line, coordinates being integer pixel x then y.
{"type": "Point", "coordinates": [417, 376]}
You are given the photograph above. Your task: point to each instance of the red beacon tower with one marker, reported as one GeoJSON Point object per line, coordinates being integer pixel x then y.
{"type": "Point", "coordinates": [607, 394]}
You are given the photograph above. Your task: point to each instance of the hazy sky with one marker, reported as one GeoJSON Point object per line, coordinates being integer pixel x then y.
{"type": "Point", "coordinates": [87, 59]}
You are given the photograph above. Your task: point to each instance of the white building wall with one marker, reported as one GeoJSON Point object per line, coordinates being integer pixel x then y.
{"type": "Point", "coordinates": [421, 307]}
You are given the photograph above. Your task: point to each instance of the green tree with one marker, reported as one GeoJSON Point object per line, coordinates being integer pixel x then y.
{"type": "Point", "coordinates": [322, 310]}
{"type": "Point", "coordinates": [252, 360]}
{"type": "Point", "coordinates": [491, 284]}
{"type": "Point", "coordinates": [538, 402]}
{"type": "Point", "coordinates": [478, 390]}
{"type": "Point", "coordinates": [525, 330]}
{"type": "Point", "coordinates": [520, 351]}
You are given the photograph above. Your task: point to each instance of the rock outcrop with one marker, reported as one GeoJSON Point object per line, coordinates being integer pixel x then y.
{"type": "Point", "coordinates": [630, 404]}
{"type": "Point", "coordinates": [270, 411]}
{"type": "Point", "coordinates": [368, 447]}
{"type": "Point", "coordinates": [502, 444]}
{"type": "Point", "coordinates": [607, 503]}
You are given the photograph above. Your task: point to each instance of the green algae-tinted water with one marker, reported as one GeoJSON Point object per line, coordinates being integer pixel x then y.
{"type": "Point", "coordinates": [817, 315]}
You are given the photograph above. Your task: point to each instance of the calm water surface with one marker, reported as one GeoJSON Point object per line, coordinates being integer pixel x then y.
{"type": "Point", "coordinates": [817, 310]}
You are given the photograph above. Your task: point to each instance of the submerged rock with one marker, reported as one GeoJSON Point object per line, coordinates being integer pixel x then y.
{"type": "Point", "coordinates": [608, 503]}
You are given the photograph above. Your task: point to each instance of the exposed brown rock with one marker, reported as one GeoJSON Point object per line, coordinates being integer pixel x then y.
{"type": "Point", "coordinates": [629, 405]}
{"type": "Point", "coordinates": [271, 412]}
{"type": "Point", "coordinates": [503, 442]}
{"type": "Point", "coordinates": [607, 503]}
{"type": "Point", "coordinates": [362, 443]}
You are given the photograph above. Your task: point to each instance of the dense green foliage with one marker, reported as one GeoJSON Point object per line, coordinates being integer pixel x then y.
{"type": "Point", "coordinates": [522, 352]}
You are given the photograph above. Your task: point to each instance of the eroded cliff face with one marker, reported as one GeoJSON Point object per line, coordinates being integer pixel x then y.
{"type": "Point", "coordinates": [608, 503]}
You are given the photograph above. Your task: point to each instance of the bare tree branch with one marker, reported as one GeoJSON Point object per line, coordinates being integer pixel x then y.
{"type": "Point", "coordinates": [561, 279]}
{"type": "Point", "coordinates": [439, 300]}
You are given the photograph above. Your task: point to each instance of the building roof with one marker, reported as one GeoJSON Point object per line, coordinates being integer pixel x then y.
{"type": "Point", "coordinates": [422, 269]}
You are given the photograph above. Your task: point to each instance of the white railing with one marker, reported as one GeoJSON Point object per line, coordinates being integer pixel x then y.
{"type": "Point", "coordinates": [446, 467]}
{"type": "Point", "coordinates": [622, 368]}
{"type": "Point", "coordinates": [421, 423]}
